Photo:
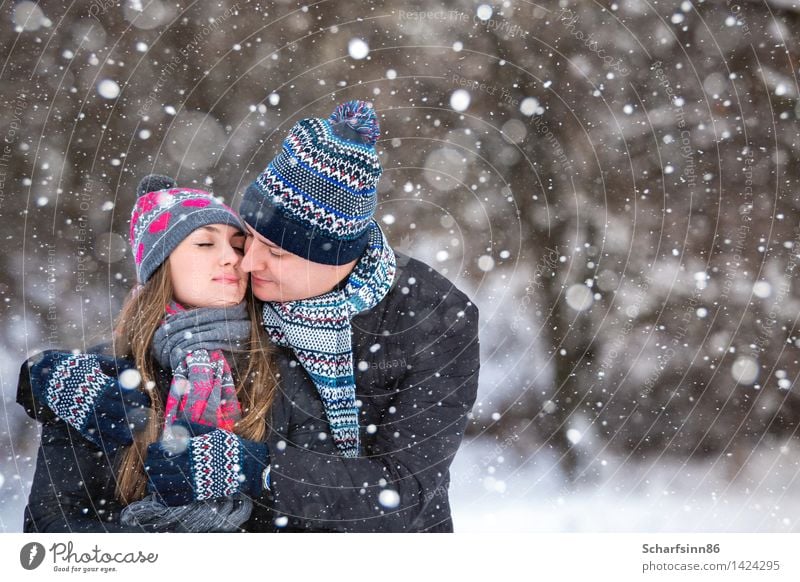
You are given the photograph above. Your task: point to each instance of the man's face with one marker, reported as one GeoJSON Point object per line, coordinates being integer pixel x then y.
{"type": "Point", "coordinates": [278, 275]}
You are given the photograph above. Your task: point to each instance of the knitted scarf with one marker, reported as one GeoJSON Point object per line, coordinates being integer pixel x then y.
{"type": "Point", "coordinates": [319, 331]}
{"type": "Point", "coordinates": [190, 343]}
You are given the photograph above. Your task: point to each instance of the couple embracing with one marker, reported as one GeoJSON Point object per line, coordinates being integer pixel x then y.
{"type": "Point", "coordinates": [247, 386]}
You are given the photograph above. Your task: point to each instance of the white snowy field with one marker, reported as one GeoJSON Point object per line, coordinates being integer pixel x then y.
{"type": "Point", "coordinates": [657, 496]}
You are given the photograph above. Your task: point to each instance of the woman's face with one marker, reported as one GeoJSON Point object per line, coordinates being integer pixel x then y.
{"type": "Point", "coordinates": [205, 268]}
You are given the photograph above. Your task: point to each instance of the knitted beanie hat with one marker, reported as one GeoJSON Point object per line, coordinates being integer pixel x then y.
{"type": "Point", "coordinates": [164, 215]}
{"type": "Point", "coordinates": [317, 197]}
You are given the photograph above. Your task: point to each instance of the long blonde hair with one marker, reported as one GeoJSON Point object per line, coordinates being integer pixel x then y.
{"type": "Point", "coordinates": [138, 321]}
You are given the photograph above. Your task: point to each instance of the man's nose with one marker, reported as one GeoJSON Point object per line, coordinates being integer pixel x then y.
{"type": "Point", "coordinates": [251, 260]}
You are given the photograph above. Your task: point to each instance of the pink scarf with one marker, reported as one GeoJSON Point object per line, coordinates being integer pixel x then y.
{"type": "Point", "coordinates": [191, 343]}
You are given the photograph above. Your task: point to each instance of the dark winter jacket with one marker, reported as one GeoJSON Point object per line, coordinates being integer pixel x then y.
{"type": "Point", "coordinates": [73, 486]}
{"type": "Point", "coordinates": [417, 361]}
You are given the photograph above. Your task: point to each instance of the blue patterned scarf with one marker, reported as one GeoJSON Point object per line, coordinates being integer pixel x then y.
{"type": "Point", "coordinates": [319, 331]}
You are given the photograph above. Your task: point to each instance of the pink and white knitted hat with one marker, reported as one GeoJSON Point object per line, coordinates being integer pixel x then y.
{"type": "Point", "coordinates": [164, 215]}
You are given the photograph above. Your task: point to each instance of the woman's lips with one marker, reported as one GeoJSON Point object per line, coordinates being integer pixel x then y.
{"type": "Point", "coordinates": [260, 281]}
{"type": "Point", "coordinates": [227, 280]}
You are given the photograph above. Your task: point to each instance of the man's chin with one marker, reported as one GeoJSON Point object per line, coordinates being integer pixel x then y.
{"type": "Point", "coordinates": [265, 291]}
{"type": "Point", "coordinates": [267, 296]}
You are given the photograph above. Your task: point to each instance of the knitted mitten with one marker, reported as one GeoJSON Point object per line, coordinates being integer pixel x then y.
{"type": "Point", "coordinates": [219, 463]}
{"type": "Point", "coordinates": [77, 390]}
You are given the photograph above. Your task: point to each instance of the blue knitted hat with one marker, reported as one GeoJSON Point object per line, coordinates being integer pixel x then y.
{"type": "Point", "coordinates": [164, 215]}
{"type": "Point", "coordinates": [317, 197]}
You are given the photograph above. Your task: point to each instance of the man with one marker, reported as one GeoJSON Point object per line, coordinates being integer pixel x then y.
{"type": "Point", "coordinates": [378, 354]}
{"type": "Point", "coordinates": [389, 344]}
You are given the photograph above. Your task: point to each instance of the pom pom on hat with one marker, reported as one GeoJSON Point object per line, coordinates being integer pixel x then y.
{"type": "Point", "coordinates": [154, 183]}
{"type": "Point", "coordinates": [360, 116]}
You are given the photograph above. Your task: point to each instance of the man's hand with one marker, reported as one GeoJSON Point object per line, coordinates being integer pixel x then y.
{"type": "Point", "coordinates": [197, 462]}
{"type": "Point", "coordinates": [76, 388]}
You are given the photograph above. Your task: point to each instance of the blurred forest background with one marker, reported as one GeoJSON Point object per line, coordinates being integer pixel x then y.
{"type": "Point", "coordinates": [614, 183]}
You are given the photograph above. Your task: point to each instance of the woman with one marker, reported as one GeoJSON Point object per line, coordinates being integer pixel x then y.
{"type": "Point", "coordinates": [202, 380]}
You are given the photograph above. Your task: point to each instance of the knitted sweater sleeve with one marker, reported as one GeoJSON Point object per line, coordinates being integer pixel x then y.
{"type": "Point", "coordinates": [403, 472]}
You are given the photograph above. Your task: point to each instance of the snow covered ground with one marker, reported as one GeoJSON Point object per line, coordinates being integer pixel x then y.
{"type": "Point", "coordinates": [660, 496]}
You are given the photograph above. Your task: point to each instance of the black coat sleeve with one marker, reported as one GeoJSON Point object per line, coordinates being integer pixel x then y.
{"type": "Point", "coordinates": [405, 466]}
{"type": "Point", "coordinates": [73, 485]}
{"type": "Point", "coordinates": [34, 407]}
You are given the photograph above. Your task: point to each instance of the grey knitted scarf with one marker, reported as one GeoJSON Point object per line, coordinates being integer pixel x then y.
{"type": "Point", "coordinates": [184, 336]}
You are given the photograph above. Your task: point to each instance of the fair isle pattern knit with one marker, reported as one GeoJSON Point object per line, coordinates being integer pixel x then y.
{"type": "Point", "coordinates": [317, 197]}
{"type": "Point", "coordinates": [202, 388]}
{"type": "Point", "coordinates": [190, 342]}
{"type": "Point", "coordinates": [215, 475]}
{"type": "Point", "coordinates": [162, 219]}
{"type": "Point", "coordinates": [74, 387]}
{"type": "Point", "coordinates": [319, 332]}
{"type": "Point", "coordinates": [322, 181]}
